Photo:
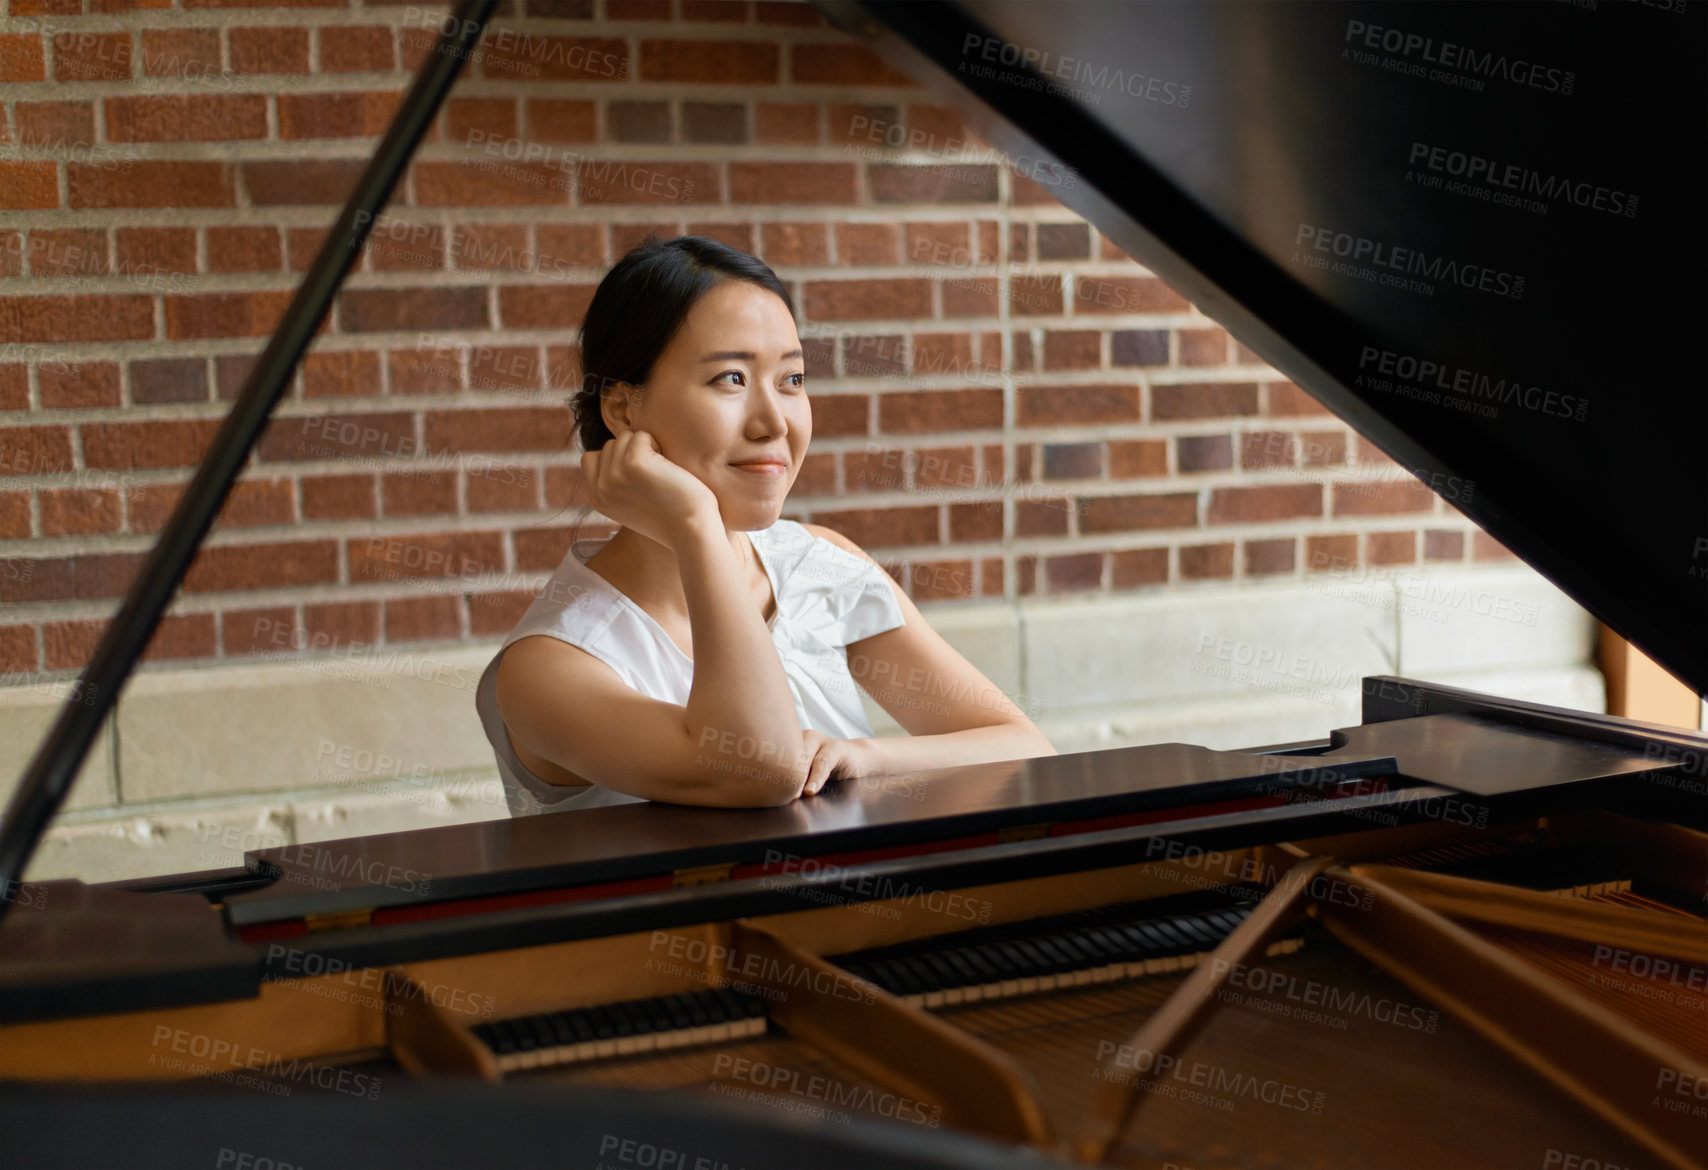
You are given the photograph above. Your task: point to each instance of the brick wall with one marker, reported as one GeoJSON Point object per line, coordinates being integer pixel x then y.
{"type": "Point", "coordinates": [1004, 405]}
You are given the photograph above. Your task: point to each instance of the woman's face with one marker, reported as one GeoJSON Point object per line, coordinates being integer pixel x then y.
{"type": "Point", "coordinates": [728, 389]}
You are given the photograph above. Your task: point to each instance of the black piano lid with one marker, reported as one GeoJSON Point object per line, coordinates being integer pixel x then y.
{"type": "Point", "coordinates": [1218, 142]}
{"type": "Point", "coordinates": [651, 839]}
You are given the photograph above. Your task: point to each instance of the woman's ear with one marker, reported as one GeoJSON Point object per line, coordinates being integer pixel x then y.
{"type": "Point", "coordinates": [619, 404]}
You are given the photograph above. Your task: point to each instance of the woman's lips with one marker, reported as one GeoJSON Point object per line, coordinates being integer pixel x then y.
{"type": "Point", "coordinates": [761, 468]}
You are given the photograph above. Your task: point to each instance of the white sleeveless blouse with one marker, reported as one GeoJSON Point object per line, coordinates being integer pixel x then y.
{"type": "Point", "coordinates": [826, 598]}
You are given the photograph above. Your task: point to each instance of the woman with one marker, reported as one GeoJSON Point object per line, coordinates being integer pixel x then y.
{"type": "Point", "coordinates": [707, 653]}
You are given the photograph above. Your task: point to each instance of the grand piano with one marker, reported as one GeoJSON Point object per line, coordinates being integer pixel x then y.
{"type": "Point", "coordinates": [1467, 932]}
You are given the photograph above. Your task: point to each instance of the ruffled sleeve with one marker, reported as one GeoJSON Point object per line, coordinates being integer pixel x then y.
{"type": "Point", "coordinates": [830, 596]}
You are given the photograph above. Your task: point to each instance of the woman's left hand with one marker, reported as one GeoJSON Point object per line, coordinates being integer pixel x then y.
{"type": "Point", "coordinates": [832, 759]}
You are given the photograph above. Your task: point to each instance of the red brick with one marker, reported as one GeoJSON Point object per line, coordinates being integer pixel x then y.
{"type": "Point", "coordinates": [424, 554]}
{"type": "Point", "coordinates": [1330, 553]}
{"type": "Point", "coordinates": [15, 515]}
{"type": "Point", "coordinates": [337, 497]}
{"type": "Point", "coordinates": [628, 236]}
{"type": "Point", "coordinates": [1324, 448]}
{"type": "Point", "coordinates": [1382, 499]}
{"type": "Point", "coordinates": [78, 385]}
{"type": "Point", "coordinates": [404, 247]}
{"type": "Point", "coordinates": [130, 445]}
{"type": "Point", "coordinates": [1137, 458]}
{"type": "Point", "coordinates": [718, 11]}
{"type": "Point", "coordinates": [11, 253]}
{"type": "Point", "coordinates": [1127, 513]}
{"type": "Point", "coordinates": [87, 56]}
{"type": "Point", "coordinates": [516, 428]}
{"type": "Point", "coordinates": [341, 374]}
{"type": "Point", "coordinates": [892, 527]}
{"type": "Point", "coordinates": [25, 185]}
{"type": "Point", "coordinates": [336, 115]}
{"type": "Point", "coordinates": [1443, 545]}
{"type": "Point", "coordinates": [1266, 449]}
{"type": "Point", "coordinates": [1093, 295]}
{"type": "Point", "coordinates": [963, 297]}
{"type": "Point", "coordinates": [546, 306]}
{"type": "Point", "coordinates": [234, 314]}
{"type": "Point", "coordinates": [1202, 400]}
{"type": "Point", "coordinates": [357, 49]}
{"type": "Point", "coordinates": [1390, 548]}
{"type": "Point", "coordinates": [1263, 504]}
{"type": "Point", "coordinates": [942, 353]}
{"type": "Point", "coordinates": [494, 614]}
{"type": "Point", "coordinates": [1287, 399]}
{"type": "Point", "coordinates": [490, 246]}
{"type": "Point", "coordinates": [1045, 406]}
{"type": "Point", "coordinates": [341, 623]}
{"type": "Point", "coordinates": [244, 249]}
{"type": "Point", "coordinates": [796, 243]}
{"type": "Point", "coordinates": [867, 243]}
{"type": "Point", "coordinates": [1203, 347]}
{"type": "Point", "coordinates": [157, 380]}
{"type": "Point", "coordinates": [940, 410]}
{"type": "Point", "coordinates": [269, 49]}
{"type": "Point", "coordinates": [251, 504]}
{"type": "Point", "coordinates": [339, 436]}
{"type": "Point", "coordinates": [543, 549]}
{"type": "Point", "coordinates": [141, 183]}
{"type": "Point", "coordinates": [69, 252]}
{"type": "Point", "coordinates": [425, 371]}
{"type": "Point", "coordinates": [55, 124]}
{"type": "Point", "coordinates": [21, 58]}
{"type": "Point", "coordinates": [1077, 350]}
{"type": "Point", "coordinates": [187, 118]}
{"type": "Point", "coordinates": [301, 182]}
{"type": "Point", "coordinates": [419, 619]}
{"type": "Point", "coordinates": [491, 184]}
{"type": "Point", "coordinates": [18, 649]}
{"type": "Point", "coordinates": [607, 182]}
{"type": "Point", "coordinates": [1132, 567]}
{"type": "Point", "coordinates": [271, 565]}
{"type": "Point", "coordinates": [489, 116]}
{"type": "Point", "coordinates": [544, 58]}
{"type": "Point", "coordinates": [189, 52]}
{"type": "Point", "coordinates": [737, 235]}
{"type": "Point", "coordinates": [376, 310]}
{"type": "Point", "coordinates": [1263, 557]}
{"type": "Point", "coordinates": [841, 64]}
{"type": "Point", "coordinates": [35, 450]}
{"type": "Point", "coordinates": [14, 387]}
{"type": "Point", "coordinates": [933, 183]}
{"type": "Point", "coordinates": [495, 487]}
{"type": "Point", "coordinates": [419, 493]}
{"type": "Point", "coordinates": [710, 63]}
{"type": "Point", "coordinates": [1077, 573]}
{"type": "Point", "coordinates": [562, 120]}
{"type": "Point", "coordinates": [786, 123]}
{"type": "Point", "coordinates": [947, 244]}
{"type": "Point", "coordinates": [1024, 192]}
{"type": "Point", "coordinates": [151, 251]}
{"type": "Point", "coordinates": [787, 12]}
{"type": "Point", "coordinates": [1204, 562]}
{"type": "Point", "coordinates": [854, 300]}
{"type": "Point", "coordinates": [258, 631]}
{"type": "Point", "coordinates": [787, 183]}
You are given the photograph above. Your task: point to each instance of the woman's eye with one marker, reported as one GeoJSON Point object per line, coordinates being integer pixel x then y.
{"type": "Point", "coordinates": [728, 374]}
{"type": "Point", "coordinates": [798, 381]}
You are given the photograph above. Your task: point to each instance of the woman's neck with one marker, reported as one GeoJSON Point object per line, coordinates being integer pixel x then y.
{"type": "Point", "coordinates": [649, 573]}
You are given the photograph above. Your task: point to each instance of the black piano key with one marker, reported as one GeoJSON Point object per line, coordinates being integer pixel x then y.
{"type": "Point", "coordinates": [713, 1005]}
{"type": "Point", "coordinates": [581, 1023]}
{"type": "Point", "coordinates": [562, 1033]}
{"type": "Point", "coordinates": [1027, 957]}
{"type": "Point", "coordinates": [1001, 961]}
{"type": "Point", "coordinates": [698, 1016]}
{"type": "Point", "coordinates": [604, 1025]}
{"type": "Point", "coordinates": [677, 1007]}
{"type": "Point", "coordinates": [1077, 949]}
{"type": "Point", "coordinates": [485, 1034]}
{"type": "Point", "coordinates": [1176, 942]}
{"type": "Point", "coordinates": [1151, 942]}
{"type": "Point", "coordinates": [623, 1015]}
{"type": "Point", "coordinates": [964, 969]}
{"type": "Point", "coordinates": [900, 978]}
{"type": "Point", "coordinates": [1056, 958]}
{"type": "Point", "coordinates": [942, 970]}
{"type": "Point", "coordinates": [526, 1041]}
{"type": "Point", "coordinates": [1196, 930]}
{"type": "Point", "coordinates": [734, 1007]}
{"type": "Point", "coordinates": [927, 974]}
{"type": "Point", "coordinates": [503, 1037]}
{"type": "Point", "coordinates": [544, 1037]}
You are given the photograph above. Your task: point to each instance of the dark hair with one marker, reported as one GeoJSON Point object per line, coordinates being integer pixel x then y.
{"type": "Point", "coordinates": [639, 307]}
